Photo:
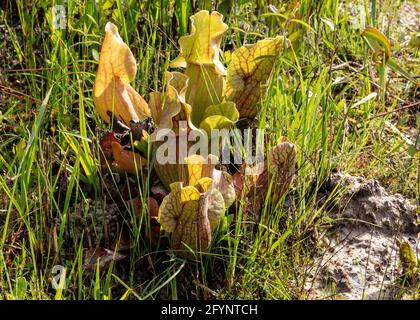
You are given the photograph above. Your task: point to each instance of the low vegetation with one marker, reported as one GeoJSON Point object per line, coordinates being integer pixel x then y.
{"type": "Point", "coordinates": [85, 211]}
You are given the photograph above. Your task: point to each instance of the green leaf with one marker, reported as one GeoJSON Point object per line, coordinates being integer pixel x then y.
{"type": "Point", "coordinates": [379, 43]}
{"type": "Point", "coordinates": [394, 66]}
{"type": "Point", "coordinates": [377, 40]}
{"type": "Point", "coordinates": [329, 23]}
{"type": "Point", "coordinates": [21, 286]}
{"type": "Point", "coordinates": [409, 261]}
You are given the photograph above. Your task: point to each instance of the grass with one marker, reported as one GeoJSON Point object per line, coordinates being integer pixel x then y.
{"type": "Point", "coordinates": [325, 96]}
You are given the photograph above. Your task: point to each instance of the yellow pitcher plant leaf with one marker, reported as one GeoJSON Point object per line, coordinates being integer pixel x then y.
{"type": "Point", "coordinates": [216, 207]}
{"type": "Point", "coordinates": [248, 71]}
{"type": "Point", "coordinates": [156, 108]}
{"type": "Point", "coordinates": [172, 207]}
{"type": "Point", "coordinates": [202, 45]}
{"type": "Point", "coordinates": [205, 88]}
{"type": "Point", "coordinates": [194, 207]}
{"type": "Point", "coordinates": [277, 174]}
{"type": "Point", "coordinates": [220, 116]}
{"type": "Point", "coordinates": [226, 109]}
{"type": "Point", "coordinates": [184, 213]}
{"type": "Point", "coordinates": [167, 113]}
{"type": "Point", "coordinates": [200, 55]}
{"type": "Point", "coordinates": [175, 95]}
{"type": "Point", "coordinates": [112, 91]}
{"type": "Point", "coordinates": [204, 184]}
{"type": "Point", "coordinates": [194, 169]}
{"type": "Point", "coordinates": [222, 180]}
{"type": "Point", "coordinates": [215, 122]}
{"type": "Point", "coordinates": [215, 199]}
{"type": "Point", "coordinates": [168, 173]}
{"type": "Point", "coordinates": [273, 182]}
{"type": "Point", "coordinates": [281, 168]}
